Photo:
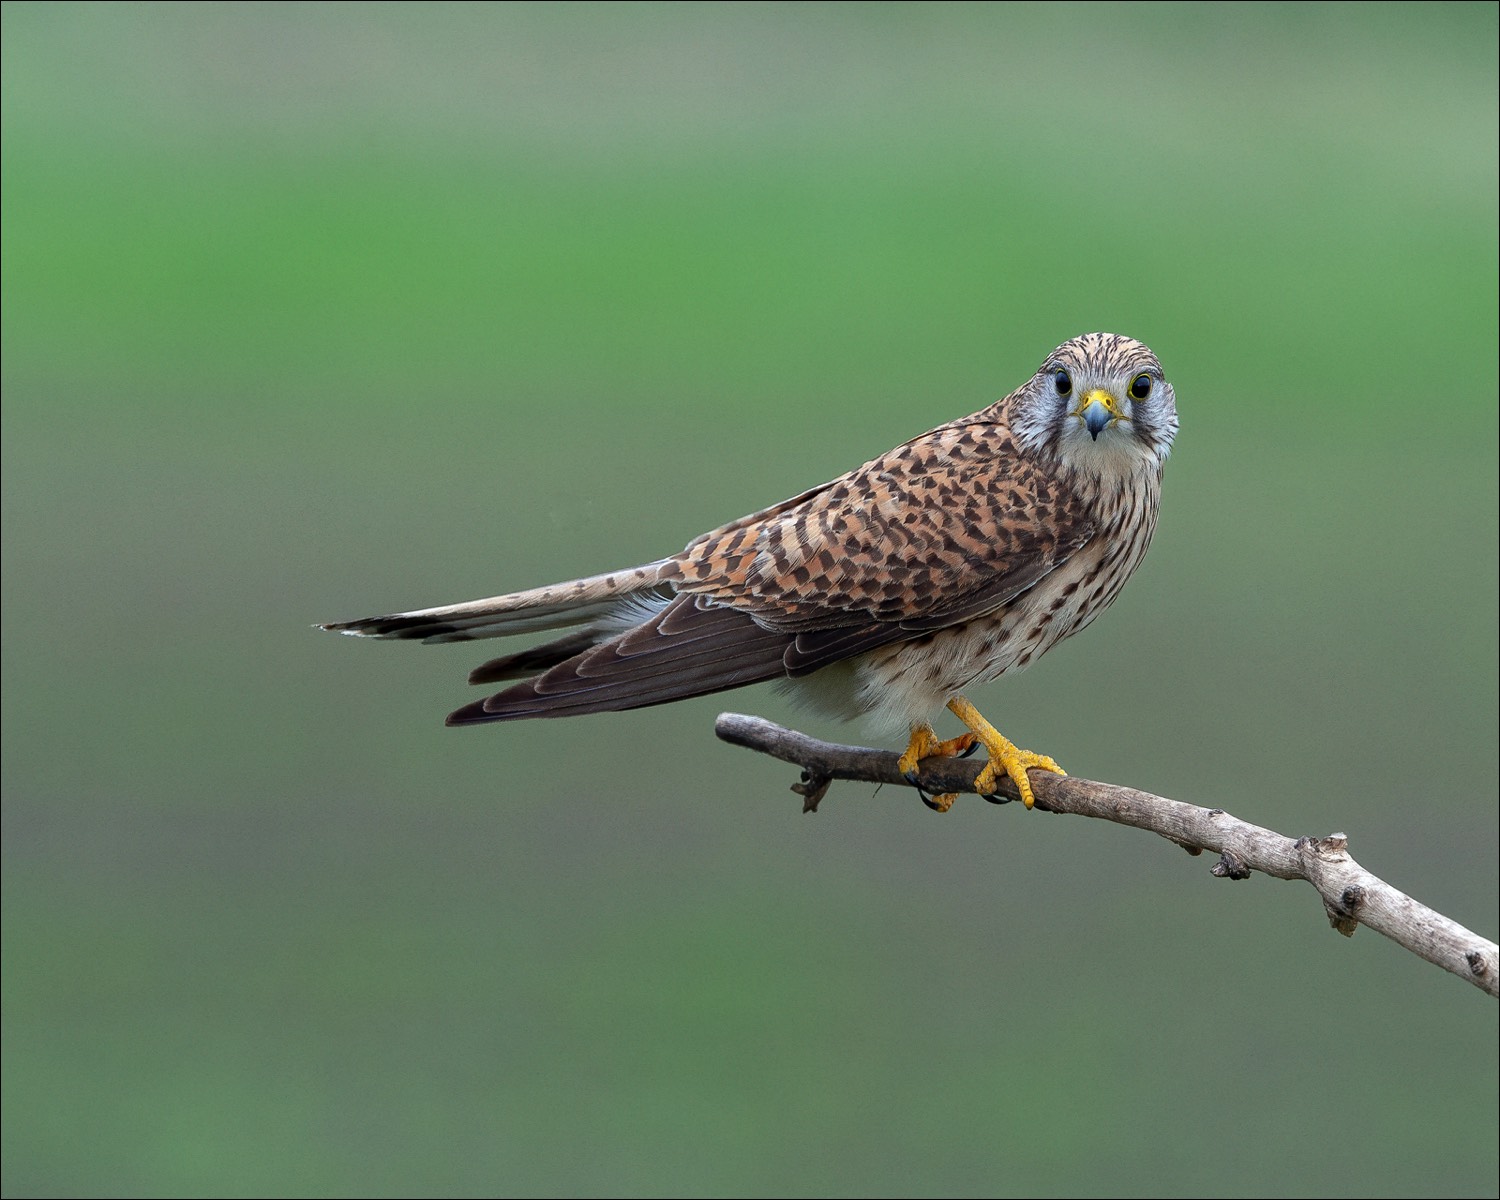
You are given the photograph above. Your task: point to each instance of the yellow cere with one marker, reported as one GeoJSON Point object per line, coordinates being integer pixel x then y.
{"type": "Point", "coordinates": [1100, 396]}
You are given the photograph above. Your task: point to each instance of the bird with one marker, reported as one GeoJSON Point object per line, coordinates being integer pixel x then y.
{"type": "Point", "coordinates": [886, 594]}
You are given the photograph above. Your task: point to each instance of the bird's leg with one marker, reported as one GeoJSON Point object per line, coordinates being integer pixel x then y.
{"type": "Point", "coordinates": [924, 744]}
{"type": "Point", "coordinates": [1004, 754]}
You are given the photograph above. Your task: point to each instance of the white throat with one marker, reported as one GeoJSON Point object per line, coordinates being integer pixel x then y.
{"type": "Point", "coordinates": [1115, 456]}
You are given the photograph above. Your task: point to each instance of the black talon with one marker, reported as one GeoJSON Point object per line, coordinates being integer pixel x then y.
{"type": "Point", "coordinates": [913, 777]}
{"type": "Point", "coordinates": [973, 746]}
{"type": "Point", "coordinates": [929, 801]}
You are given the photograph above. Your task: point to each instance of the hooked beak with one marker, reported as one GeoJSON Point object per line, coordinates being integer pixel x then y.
{"type": "Point", "coordinates": [1098, 411]}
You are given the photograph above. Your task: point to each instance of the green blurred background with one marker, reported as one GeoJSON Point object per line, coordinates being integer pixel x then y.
{"type": "Point", "coordinates": [313, 312]}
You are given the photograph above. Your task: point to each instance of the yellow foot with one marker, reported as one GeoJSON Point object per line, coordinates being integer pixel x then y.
{"type": "Point", "coordinates": [924, 744]}
{"type": "Point", "coordinates": [1005, 756]}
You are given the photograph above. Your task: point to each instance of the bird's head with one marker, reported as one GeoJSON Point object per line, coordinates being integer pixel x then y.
{"type": "Point", "coordinates": [1100, 403]}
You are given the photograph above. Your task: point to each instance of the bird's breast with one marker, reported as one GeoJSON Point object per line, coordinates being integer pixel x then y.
{"type": "Point", "coordinates": [909, 680]}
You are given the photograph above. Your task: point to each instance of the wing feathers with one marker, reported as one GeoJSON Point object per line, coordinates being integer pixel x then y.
{"type": "Point", "coordinates": [688, 649]}
{"type": "Point", "coordinates": [538, 658]}
{"type": "Point", "coordinates": [948, 527]}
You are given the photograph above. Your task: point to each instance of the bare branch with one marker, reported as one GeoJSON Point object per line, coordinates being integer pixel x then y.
{"type": "Point", "coordinates": [1351, 895]}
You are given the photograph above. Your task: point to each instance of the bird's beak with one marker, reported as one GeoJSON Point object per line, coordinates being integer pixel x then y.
{"type": "Point", "coordinates": [1099, 410]}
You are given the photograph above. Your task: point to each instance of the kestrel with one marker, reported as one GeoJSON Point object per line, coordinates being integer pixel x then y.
{"type": "Point", "coordinates": [887, 593]}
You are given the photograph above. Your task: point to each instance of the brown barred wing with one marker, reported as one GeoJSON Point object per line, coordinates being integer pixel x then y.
{"type": "Point", "coordinates": [951, 526]}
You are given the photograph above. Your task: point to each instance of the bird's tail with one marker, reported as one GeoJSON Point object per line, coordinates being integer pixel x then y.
{"type": "Point", "coordinates": [576, 602]}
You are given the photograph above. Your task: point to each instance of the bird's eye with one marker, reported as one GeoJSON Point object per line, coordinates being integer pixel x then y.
{"type": "Point", "coordinates": [1063, 382]}
{"type": "Point", "coordinates": [1140, 386]}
